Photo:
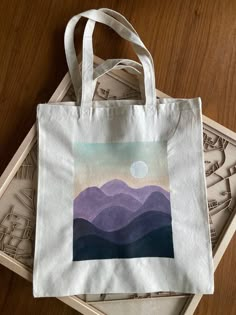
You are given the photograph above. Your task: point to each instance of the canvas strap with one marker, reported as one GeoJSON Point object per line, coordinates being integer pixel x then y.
{"type": "Point", "coordinates": [126, 31]}
{"type": "Point", "coordinates": [108, 65]}
{"type": "Point", "coordinates": [112, 64]}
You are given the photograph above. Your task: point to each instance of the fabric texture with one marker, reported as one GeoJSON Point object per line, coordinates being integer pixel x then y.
{"type": "Point", "coordinates": [121, 204]}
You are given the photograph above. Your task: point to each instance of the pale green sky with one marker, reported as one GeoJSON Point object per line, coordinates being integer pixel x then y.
{"type": "Point", "coordinates": [97, 163]}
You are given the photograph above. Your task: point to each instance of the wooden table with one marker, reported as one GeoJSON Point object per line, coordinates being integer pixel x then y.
{"type": "Point", "coordinates": [193, 44]}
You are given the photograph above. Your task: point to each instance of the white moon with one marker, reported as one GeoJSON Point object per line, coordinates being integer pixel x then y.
{"type": "Point", "coordinates": [139, 169]}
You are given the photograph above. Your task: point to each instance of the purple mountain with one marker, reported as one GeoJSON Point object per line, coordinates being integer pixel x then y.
{"type": "Point", "coordinates": [90, 202]}
{"type": "Point", "coordinates": [117, 186]}
{"type": "Point", "coordinates": [156, 201]}
{"type": "Point", "coordinates": [133, 231]}
{"type": "Point", "coordinates": [114, 218]}
{"type": "Point", "coordinates": [117, 221]}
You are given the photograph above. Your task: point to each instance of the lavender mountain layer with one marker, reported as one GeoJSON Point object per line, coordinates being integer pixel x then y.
{"type": "Point", "coordinates": [118, 221]}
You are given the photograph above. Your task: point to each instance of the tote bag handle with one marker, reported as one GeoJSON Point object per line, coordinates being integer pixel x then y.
{"type": "Point", "coordinates": [113, 64]}
{"type": "Point", "coordinates": [87, 64]}
{"type": "Point", "coordinates": [108, 65]}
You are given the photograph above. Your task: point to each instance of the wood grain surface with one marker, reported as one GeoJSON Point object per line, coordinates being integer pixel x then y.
{"type": "Point", "coordinates": [193, 44]}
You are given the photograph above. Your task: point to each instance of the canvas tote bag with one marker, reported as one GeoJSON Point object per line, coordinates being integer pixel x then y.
{"type": "Point", "coordinates": [121, 203]}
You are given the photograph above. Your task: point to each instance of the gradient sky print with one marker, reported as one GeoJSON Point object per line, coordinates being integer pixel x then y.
{"type": "Point", "coordinates": [97, 163]}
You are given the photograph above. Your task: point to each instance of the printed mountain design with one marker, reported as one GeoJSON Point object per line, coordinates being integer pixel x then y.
{"type": "Point", "coordinates": [117, 221]}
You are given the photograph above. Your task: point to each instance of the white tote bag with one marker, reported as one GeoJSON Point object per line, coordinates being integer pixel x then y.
{"type": "Point", "coordinates": [121, 204]}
